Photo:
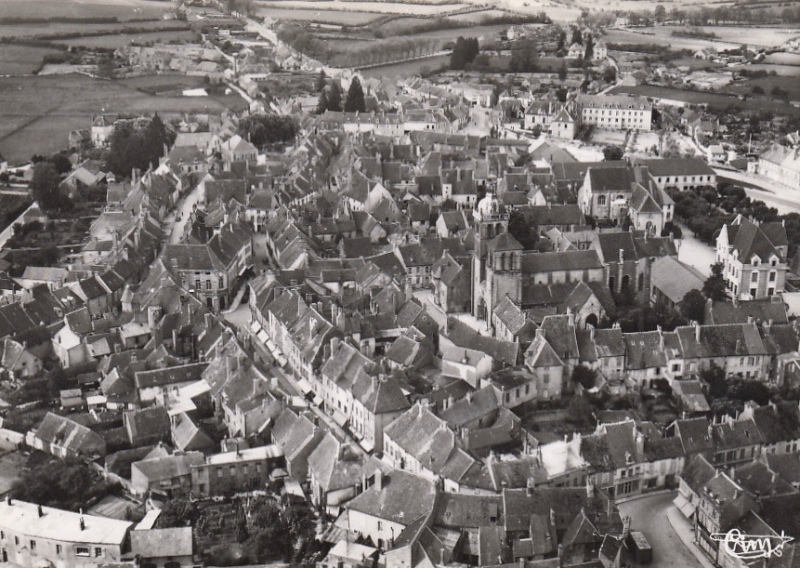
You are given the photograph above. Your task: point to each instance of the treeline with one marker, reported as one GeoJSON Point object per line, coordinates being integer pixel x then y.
{"type": "Point", "coordinates": [464, 52]}
{"type": "Point", "coordinates": [695, 33]}
{"type": "Point", "coordinates": [132, 147]}
{"type": "Point", "coordinates": [719, 15]}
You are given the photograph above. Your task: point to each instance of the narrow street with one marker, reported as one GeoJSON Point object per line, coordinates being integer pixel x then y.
{"type": "Point", "coordinates": [650, 516]}
{"type": "Point", "coordinates": [183, 209]}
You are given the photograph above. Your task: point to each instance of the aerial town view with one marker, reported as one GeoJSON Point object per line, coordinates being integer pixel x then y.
{"type": "Point", "coordinates": [399, 283]}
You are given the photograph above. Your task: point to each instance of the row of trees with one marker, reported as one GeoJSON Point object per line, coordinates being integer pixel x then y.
{"type": "Point", "coordinates": [705, 16]}
{"type": "Point", "coordinates": [330, 98]}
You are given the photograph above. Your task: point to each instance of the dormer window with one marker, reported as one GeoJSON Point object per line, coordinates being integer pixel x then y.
{"type": "Point", "coordinates": [755, 261]}
{"type": "Point", "coordinates": [773, 261]}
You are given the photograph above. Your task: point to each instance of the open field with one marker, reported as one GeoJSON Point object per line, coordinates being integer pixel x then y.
{"type": "Point", "coordinates": [557, 11]}
{"type": "Point", "coordinates": [409, 68]}
{"type": "Point", "coordinates": [789, 84]}
{"type": "Point", "coordinates": [781, 70]}
{"type": "Point", "coordinates": [716, 100]}
{"type": "Point", "coordinates": [164, 83]}
{"type": "Point", "coordinates": [116, 41]}
{"type": "Point", "coordinates": [663, 36]}
{"type": "Point", "coordinates": [324, 6]}
{"type": "Point", "coordinates": [48, 29]}
{"type": "Point", "coordinates": [37, 113]}
{"type": "Point", "coordinates": [754, 36]}
{"type": "Point", "coordinates": [337, 17]}
{"type": "Point", "coordinates": [21, 59]}
{"type": "Point", "coordinates": [122, 9]}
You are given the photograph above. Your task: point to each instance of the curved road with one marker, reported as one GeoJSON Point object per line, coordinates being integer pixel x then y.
{"type": "Point", "coordinates": [649, 515]}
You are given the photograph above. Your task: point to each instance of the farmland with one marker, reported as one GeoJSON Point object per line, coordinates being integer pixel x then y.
{"type": "Point", "coordinates": [324, 6]}
{"type": "Point", "coordinates": [123, 10]}
{"type": "Point", "coordinates": [334, 17]}
{"type": "Point", "coordinates": [116, 41]}
{"type": "Point", "coordinates": [729, 37]}
{"type": "Point", "coordinates": [50, 29]}
{"type": "Point", "coordinates": [715, 100]}
{"type": "Point", "coordinates": [21, 59]}
{"type": "Point", "coordinates": [408, 68]}
{"type": "Point", "coordinates": [37, 113]}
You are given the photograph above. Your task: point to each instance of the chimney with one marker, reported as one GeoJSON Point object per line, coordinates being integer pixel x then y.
{"type": "Point", "coordinates": [378, 480]}
{"type": "Point", "coordinates": [621, 256]}
{"type": "Point", "coordinates": [335, 343]}
{"type": "Point", "coordinates": [738, 346]}
{"type": "Point", "coordinates": [39, 510]}
{"type": "Point", "coordinates": [82, 523]}
{"type": "Point", "coordinates": [697, 332]}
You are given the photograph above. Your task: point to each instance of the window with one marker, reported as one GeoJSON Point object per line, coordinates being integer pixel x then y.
{"type": "Point", "coordinates": [82, 551]}
{"type": "Point", "coordinates": [208, 284]}
{"type": "Point", "coordinates": [33, 545]}
{"type": "Point", "coordinates": [58, 549]}
{"type": "Point", "coordinates": [754, 277]}
{"type": "Point", "coordinates": [772, 276]}
{"type": "Point", "coordinates": [16, 540]}
{"type": "Point", "coordinates": [244, 469]}
{"type": "Point", "coordinates": [2, 535]}
{"type": "Point", "coordinates": [601, 200]}
{"type": "Point", "coordinates": [380, 525]}
{"type": "Point", "coordinates": [233, 471]}
{"type": "Point", "coordinates": [201, 487]}
{"type": "Point", "coordinates": [221, 282]}
{"type": "Point", "coordinates": [219, 472]}
{"type": "Point", "coordinates": [98, 552]}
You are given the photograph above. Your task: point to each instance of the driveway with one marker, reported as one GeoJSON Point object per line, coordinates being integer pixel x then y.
{"type": "Point", "coordinates": [649, 515]}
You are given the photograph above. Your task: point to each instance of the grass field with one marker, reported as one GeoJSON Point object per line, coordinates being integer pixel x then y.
{"type": "Point", "coordinates": [47, 29]}
{"type": "Point", "coordinates": [163, 83]}
{"type": "Point", "coordinates": [663, 36]}
{"type": "Point", "coordinates": [21, 59]}
{"type": "Point", "coordinates": [409, 68]}
{"type": "Point", "coordinates": [324, 6]}
{"type": "Point", "coordinates": [337, 17]}
{"type": "Point", "coordinates": [716, 100]}
{"type": "Point", "coordinates": [115, 41]}
{"type": "Point", "coordinates": [122, 9]}
{"type": "Point", "coordinates": [37, 113]}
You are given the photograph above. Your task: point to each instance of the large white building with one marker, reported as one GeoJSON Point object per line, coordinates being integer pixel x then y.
{"type": "Point", "coordinates": [782, 165]}
{"type": "Point", "coordinates": [616, 112]}
{"type": "Point", "coordinates": [33, 536]}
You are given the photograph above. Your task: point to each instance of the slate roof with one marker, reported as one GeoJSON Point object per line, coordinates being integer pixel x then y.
{"type": "Point", "coordinates": [68, 434]}
{"type": "Point", "coordinates": [403, 498]}
{"type": "Point", "coordinates": [379, 395]}
{"type": "Point", "coordinates": [727, 340]}
{"type": "Point", "coordinates": [674, 278]}
{"type": "Point", "coordinates": [762, 310]}
{"type": "Point", "coordinates": [560, 261]}
{"type": "Point", "coordinates": [147, 422]}
{"type": "Point", "coordinates": [162, 543]}
{"type": "Point", "coordinates": [169, 467]}
{"type": "Point", "coordinates": [678, 167]}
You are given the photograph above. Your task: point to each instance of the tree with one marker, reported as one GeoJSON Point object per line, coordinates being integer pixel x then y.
{"type": "Point", "coordinates": [612, 153]}
{"type": "Point", "coordinates": [714, 286]}
{"type": "Point", "coordinates": [106, 67]}
{"type": "Point", "coordinates": [322, 102]}
{"type": "Point", "coordinates": [268, 129]}
{"type": "Point", "coordinates": [335, 97]}
{"type": "Point", "coordinates": [562, 38]}
{"type": "Point", "coordinates": [464, 53]}
{"type": "Point", "coordinates": [610, 74]}
{"type": "Point", "coordinates": [562, 73]}
{"type": "Point", "coordinates": [61, 163]}
{"type": "Point", "coordinates": [715, 377]}
{"type": "Point", "coordinates": [660, 13]}
{"type": "Point", "coordinates": [355, 97]}
{"type": "Point", "coordinates": [521, 229]}
{"type": "Point", "coordinates": [580, 412]}
{"type": "Point", "coordinates": [322, 81]}
{"type": "Point", "coordinates": [178, 513]}
{"type": "Point", "coordinates": [132, 147]}
{"type": "Point", "coordinates": [693, 306]}
{"type": "Point", "coordinates": [45, 186]}
{"type": "Point", "coordinates": [584, 375]}
{"type": "Point", "coordinates": [577, 36]}
{"type": "Point", "coordinates": [588, 53]}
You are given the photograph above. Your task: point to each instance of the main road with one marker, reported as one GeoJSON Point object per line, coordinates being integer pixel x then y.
{"type": "Point", "coordinates": [649, 515]}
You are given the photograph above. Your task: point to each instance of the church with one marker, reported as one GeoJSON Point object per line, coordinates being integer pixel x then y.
{"type": "Point", "coordinates": [501, 268]}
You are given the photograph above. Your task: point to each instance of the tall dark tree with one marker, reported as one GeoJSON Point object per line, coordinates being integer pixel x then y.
{"type": "Point", "coordinates": [45, 186]}
{"type": "Point", "coordinates": [714, 286]}
{"type": "Point", "coordinates": [464, 53]}
{"type": "Point", "coordinates": [355, 97]}
{"type": "Point", "coordinates": [335, 97]}
{"type": "Point", "coordinates": [577, 36]}
{"type": "Point", "coordinates": [268, 129]}
{"type": "Point", "coordinates": [322, 102]}
{"type": "Point", "coordinates": [322, 81]}
{"type": "Point", "coordinates": [562, 38]}
{"type": "Point", "coordinates": [693, 306]}
{"type": "Point", "coordinates": [589, 51]}
{"type": "Point", "coordinates": [520, 228]}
